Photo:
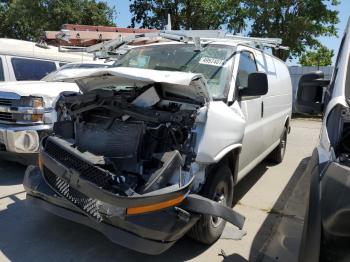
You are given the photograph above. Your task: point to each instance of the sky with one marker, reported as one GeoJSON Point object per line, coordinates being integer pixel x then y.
{"type": "Point", "coordinates": [124, 17]}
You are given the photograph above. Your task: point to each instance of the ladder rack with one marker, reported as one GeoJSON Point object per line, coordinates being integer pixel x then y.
{"type": "Point", "coordinates": [119, 45]}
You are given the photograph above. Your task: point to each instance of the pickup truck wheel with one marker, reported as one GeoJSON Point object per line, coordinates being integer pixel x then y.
{"type": "Point", "coordinates": [277, 154]}
{"type": "Point", "coordinates": [219, 187]}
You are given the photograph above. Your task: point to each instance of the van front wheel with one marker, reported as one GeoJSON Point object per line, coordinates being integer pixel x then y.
{"type": "Point", "coordinates": [278, 153]}
{"type": "Point", "coordinates": [218, 187]}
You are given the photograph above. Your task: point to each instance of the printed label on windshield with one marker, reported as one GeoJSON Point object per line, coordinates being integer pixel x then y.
{"type": "Point", "coordinates": [211, 61]}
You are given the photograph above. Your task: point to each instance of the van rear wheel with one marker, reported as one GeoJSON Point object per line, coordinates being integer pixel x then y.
{"type": "Point", "coordinates": [278, 153]}
{"type": "Point", "coordinates": [219, 187]}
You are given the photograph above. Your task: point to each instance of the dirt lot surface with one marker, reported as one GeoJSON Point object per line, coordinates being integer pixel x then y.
{"type": "Point", "coordinates": [272, 198]}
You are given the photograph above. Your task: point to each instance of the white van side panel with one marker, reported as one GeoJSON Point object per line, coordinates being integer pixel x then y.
{"type": "Point", "coordinates": [278, 100]}
{"type": "Point", "coordinates": [277, 107]}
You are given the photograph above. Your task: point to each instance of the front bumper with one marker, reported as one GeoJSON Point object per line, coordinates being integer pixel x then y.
{"type": "Point", "coordinates": [151, 233]}
{"type": "Point", "coordinates": [67, 193]}
{"type": "Point", "coordinates": [146, 240]}
{"type": "Point", "coordinates": [21, 140]}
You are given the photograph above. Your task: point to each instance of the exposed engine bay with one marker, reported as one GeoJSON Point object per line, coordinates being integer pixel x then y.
{"type": "Point", "coordinates": [142, 136]}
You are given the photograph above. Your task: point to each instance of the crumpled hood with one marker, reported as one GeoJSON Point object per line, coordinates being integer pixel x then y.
{"type": "Point", "coordinates": [182, 83]}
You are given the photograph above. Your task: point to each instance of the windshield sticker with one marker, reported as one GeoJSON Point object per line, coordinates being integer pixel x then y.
{"type": "Point", "coordinates": [211, 61]}
{"type": "Point", "coordinates": [140, 61]}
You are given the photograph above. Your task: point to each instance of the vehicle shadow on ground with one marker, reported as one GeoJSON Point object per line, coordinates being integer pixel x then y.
{"type": "Point", "coordinates": [11, 173]}
{"type": "Point", "coordinates": [271, 222]}
{"type": "Point", "coordinates": [249, 181]}
{"type": "Point", "coordinates": [32, 234]}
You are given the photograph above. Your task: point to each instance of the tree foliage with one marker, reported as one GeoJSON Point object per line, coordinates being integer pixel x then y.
{"type": "Point", "coordinates": [188, 14]}
{"type": "Point", "coordinates": [298, 22]}
{"type": "Point", "coordinates": [321, 57]}
{"type": "Point", "coordinates": [27, 19]}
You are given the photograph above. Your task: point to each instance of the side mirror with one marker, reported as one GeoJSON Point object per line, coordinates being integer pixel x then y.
{"type": "Point", "coordinates": [310, 93]}
{"type": "Point", "coordinates": [257, 85]}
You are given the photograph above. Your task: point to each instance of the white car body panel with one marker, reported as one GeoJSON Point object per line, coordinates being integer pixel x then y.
{"type": "Point", "coordinates": [263, 129]}
{"type": "Point", "coordinates": [222, 132]}
{"type": "Point", "coordinates": [337, 97]}
{"type": "Point", "coordinates": [48, 90]}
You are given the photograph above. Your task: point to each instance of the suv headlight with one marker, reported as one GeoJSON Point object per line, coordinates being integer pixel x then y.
{"type": "Point", "coordinates": [31, 101]}
{"type": "Point", "coordinates": [30, 109]}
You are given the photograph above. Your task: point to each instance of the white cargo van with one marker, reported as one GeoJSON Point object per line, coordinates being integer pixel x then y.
{"type": "Point", "coordinates": [164, 136]}
{"type": "Point", "coordinates": [23, 60]}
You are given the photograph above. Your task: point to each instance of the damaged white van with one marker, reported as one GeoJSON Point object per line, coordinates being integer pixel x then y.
{"type": "Point", "coordinates": [151, 149]}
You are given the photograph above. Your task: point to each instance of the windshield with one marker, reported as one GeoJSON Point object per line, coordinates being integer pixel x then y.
{"type": "Point", "coordinates": [213, 61]}
{"type": "Point", "coordinates": [53, 75]}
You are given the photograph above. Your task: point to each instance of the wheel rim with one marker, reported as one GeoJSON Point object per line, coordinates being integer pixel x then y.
{"type": "Point", "coordinates": [220, 196]}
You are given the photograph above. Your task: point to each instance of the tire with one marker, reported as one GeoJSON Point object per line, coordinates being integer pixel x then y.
{"type": "Point", "coordinates": [219, 187]}
{"type": "Point", "coordinates": [277, 155]}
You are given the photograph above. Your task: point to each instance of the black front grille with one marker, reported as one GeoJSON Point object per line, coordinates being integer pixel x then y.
{"type": "Point", "coordinates": [5, 102]}
{"type": "Point", "coordinates": [88, 171]}
{"type": "Point", "coordinates": [6, 117]}
{"type": "Point", "coordinates": [84, 203]}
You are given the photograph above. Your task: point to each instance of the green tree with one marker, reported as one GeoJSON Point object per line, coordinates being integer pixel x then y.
{"type": "Point", "coordinates": [298, 22]}
{"type": "Point", "coordinates": [188, 14]}
{"type": "Point", "coordinates": [321, 57]}
{"type": "Point", "coordinates": [27, 19]}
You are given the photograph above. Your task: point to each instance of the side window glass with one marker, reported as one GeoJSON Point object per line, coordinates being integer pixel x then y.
{"type": "Point", "coordinates": [2, 78]}
{"type": "Point", "coordinates": [30, 69]}
{"type": "Point", "coordinates": [246, 66]}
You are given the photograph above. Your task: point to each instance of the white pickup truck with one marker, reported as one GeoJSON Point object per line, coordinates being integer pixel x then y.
{"type": "Point", "coordinates": [27, 111]}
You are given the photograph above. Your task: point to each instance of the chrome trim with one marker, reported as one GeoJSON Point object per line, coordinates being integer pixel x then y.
{"type": "Point", "coordinates": [23, 110]}
{"type": "Point", "coordinates": [24, 128]}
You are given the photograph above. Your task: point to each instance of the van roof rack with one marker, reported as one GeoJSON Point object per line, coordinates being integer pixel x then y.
{"type": "Point", "coordinates": [115, 47]}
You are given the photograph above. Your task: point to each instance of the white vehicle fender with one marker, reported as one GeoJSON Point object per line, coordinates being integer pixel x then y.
{"type": "Point", "coordinates": [222, 131]}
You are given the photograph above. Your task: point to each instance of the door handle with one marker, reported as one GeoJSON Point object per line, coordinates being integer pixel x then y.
{"type": "Point", "coordinates": [262, 109]}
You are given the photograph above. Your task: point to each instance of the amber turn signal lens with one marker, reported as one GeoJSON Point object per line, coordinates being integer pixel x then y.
{"type": "Point", "coordinates": [37, 118]}
{"type": "Point", "coordinates": [154, 207]}
{"type": "Point", "coordinates": [40, 163]}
